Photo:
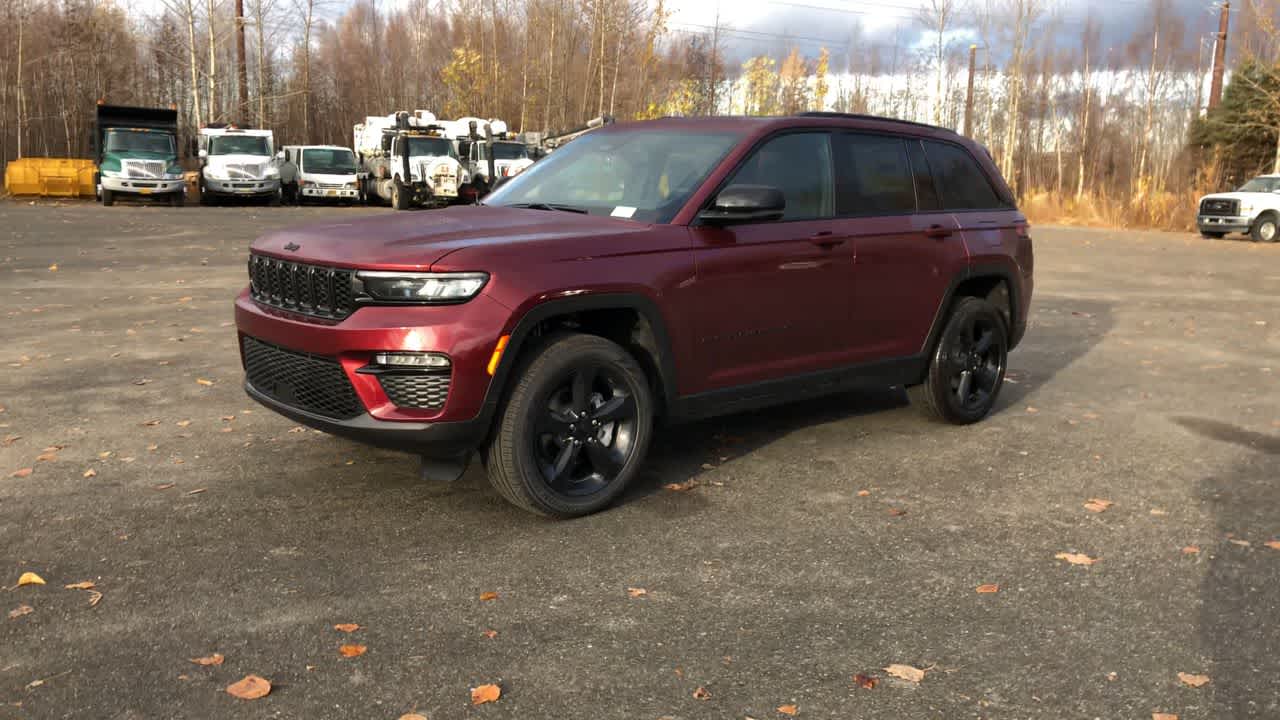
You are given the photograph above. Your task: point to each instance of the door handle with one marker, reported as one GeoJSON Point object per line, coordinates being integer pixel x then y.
{"type": "Point", "coordinates": [825, 239]}
{"type": "Point", "coordinates": [938, 232]}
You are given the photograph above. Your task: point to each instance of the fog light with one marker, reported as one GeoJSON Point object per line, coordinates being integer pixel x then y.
{"type": "Point", "coordinates": [418, 360]}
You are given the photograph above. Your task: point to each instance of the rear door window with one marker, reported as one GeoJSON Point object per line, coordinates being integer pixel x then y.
{"type": "Point", "coordinates": [926, 192]}
{"type": "Point", "coordinates": [962, 185]}
{"type": "Point", "coordinates": [798, 164]}
{"type": "Point", "coordinates": [873, 175]}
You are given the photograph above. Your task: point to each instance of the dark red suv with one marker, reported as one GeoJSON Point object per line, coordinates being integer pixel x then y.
{"type": "Point", "coordinates": [670, 269]}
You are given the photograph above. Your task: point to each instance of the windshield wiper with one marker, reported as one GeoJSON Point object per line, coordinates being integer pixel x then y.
{"type": "Point", "coordinates": [550, 206]}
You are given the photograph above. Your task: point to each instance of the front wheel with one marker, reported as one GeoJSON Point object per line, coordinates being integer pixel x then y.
{"type": "Point", "coordinates": [1212, 235]}
{"type": "Point", "coordinates": [178, 199]}
{"type": "Point", "coordinates": [574, 429]}
{"type": "Point", "coordinates": [108, 197]}
{"type": "Point", "coordinates": [399, 196]}
{"type": "Point", "coordinates": [967, 368]}
{"type": "Point", "coordinates": [1266, 229]}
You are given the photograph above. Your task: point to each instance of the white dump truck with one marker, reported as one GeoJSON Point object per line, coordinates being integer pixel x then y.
{"type": "Point", "coordinates": [407, 159]}
{"type": "Point", "coordinates": [237, 162]}
{"type": "Point", "coordinates": [489, 152]}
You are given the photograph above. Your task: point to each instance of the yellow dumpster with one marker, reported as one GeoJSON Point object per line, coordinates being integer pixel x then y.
{"type": "Point", "coordinates": [54, 177]}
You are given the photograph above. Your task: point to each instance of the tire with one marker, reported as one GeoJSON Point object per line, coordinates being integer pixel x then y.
{"type": "Point", "coordinates": [108, 197]}
{"type": "Point", "coordinates": [399, 196]}
{"type": "Point", "coordinates": [974, 343]}
{"type": "Point", "coordinates": [561, 448]}
{"type": "Point", "coordinates": [206, 197]}
{"type": "Point", "coordinates": [178, 199]}
{"type": "Point", "coordinates": [1266, 228]}
{"type": "Point", "coordinates": [1213, 235]}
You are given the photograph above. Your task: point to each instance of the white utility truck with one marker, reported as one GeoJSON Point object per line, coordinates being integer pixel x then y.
{"type": "Point", "coordinates": [325, 172]}
{"type": "Point", "coordinates": [489, 152]}
{"type": "Point", "coordinates": [1254, 209]}
{"type": "Point", "coordinates": [237, 162]}
{"type": "Point", "coordinates": [407, 160]}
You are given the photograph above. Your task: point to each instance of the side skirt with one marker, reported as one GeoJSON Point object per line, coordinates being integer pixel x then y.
{"type": "Point", "coordinates": [880, 374]}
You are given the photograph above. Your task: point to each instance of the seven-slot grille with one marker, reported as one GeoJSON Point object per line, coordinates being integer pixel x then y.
{"type": "Point", "coordinates": [1219, 206]}
{"type": "Point", "coordinates": [313, 383]}
{"type": "Point", "coordinates": [416, 390]}
{"type": "Point", "coordinates": [308, 289]}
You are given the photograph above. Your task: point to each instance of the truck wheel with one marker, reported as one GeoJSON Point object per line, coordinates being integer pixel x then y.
{"type": "Point", "coordinates": [178, 199]}
{"type": "Point", "coordinates": [206, 197]}
{"type": "Point", "coordinates": [399, 196]}
{"type": "Point", "coordinates": [574, 428]}
{"type": "Point", "coordinates": [108, 197]}
{"type": "Point", "coordinates": [1266, 228]}
{"type": "Point", "coordinates": [1212, 235]}
{"type": "Point", "coordinates": [967, 367]}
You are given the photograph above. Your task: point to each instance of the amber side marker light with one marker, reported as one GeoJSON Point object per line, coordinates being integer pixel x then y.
{"type": "Point", "coordinates": [497, 353]}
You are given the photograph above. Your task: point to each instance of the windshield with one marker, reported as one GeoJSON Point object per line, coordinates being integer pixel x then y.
{"type": "Point", "coordinates": [239, 145]}
{"type": "Point", "coordinates": [126, 141]}
{"type": "Point", "coordinates": [329, 161]}
{"type": "Point", "coordinates": [643, 174]}
{"type": "Point", "coordinates": [510, 151]}
{"type": "Point", "coordinates": [433, 146]}
{"type": "Point", "coordinates": [1262, 184]}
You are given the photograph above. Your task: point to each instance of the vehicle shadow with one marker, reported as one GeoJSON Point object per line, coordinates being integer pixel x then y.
{"type": "Point", "coordinates": [1062, 331]}
{"type": "Point", "coordinates": [1236, 630]}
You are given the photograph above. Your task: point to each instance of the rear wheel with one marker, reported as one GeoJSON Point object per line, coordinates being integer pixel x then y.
{"type": "Point", "coordinates": [108, 197]}
{"type": "Point", "coordinates": [1212, 235]}
{"type": "Point", "coordinates": [574, 429]}
{"type": "Point", "coordinates": [967, 368]}
{"type": "Point", "coordinates": [1266, 228]}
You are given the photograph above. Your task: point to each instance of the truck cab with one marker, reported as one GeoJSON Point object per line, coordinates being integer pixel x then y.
{"type": "Point", "coordinates": [325, 172]}
{"type": "Point", "coordinates": [408, 161]}
{"type": "Point", "coordinates": [489, 152]}
{"type": "Point", "coordinates": [237, 162]}
{"type": "Point", "coordinates": [136, 151]}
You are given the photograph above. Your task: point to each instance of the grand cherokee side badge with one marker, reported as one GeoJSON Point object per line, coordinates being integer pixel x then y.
{"type": "Point", "coordinates": [292, 246]}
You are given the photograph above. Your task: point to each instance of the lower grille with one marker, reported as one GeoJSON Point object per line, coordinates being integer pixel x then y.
{"type": "Point", "coordinates": [1216, 206]}
{"type": "Point", "coordinates": [313, 383]}
{"type": "Point", "coordinates": [416, 390]}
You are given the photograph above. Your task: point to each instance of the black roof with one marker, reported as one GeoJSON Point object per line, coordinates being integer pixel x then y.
{"type": "Point", "coordinates": [861, 116]}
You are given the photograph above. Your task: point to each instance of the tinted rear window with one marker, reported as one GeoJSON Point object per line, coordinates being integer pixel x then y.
{"type": "Point", "coordinates": [926, 193]}
{"type": "Point", "coordinates": [873, 176]}
{"type": "Point", "coordinates": [961, 183]}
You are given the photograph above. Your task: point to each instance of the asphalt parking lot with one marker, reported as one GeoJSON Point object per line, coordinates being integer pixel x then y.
{"type": "Point", "coordinates": [816, 542]}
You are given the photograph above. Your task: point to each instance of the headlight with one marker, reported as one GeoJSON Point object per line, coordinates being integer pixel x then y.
{"type": "Point", "coordinates": [352, 186]}
{"type": "Point", "coordinates": [272, 173]}
{"type": "Point", "coordinates": [112, 173]}
{"type": "Point", "coordinates": [422, 287]}
{"type": "Point", "coordinates": [214, 173]}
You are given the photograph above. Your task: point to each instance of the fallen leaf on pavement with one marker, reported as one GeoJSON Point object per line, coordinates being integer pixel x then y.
{"type": "Point", "coordinates": [863, 493]}
{"type": "Point", "coordinates": [1273, 544]}
{"type": "Point", "coordinates": [491, 634]}
{"type": "Point", "coordinates": [989, 588]}
{"type": "Point", "coordinates": [346, 627]}
{"type": "Point", "coordinates": [150, 423]}
{"type": "Point", "coordinates": [228, 418]}
{"type": "Point", "coordinates": [206, 383]}
{"type": "Point", "coordinates": [251, 687]}
{"type": "Point", "coordinates": [21, 472]}
{"type": "Point", "coordinates": [47, 457]}
{"type": "Point", "coordinates": [485, 694]}
{"type": "Point", "coordinates": [1097, 505]}
{"type": "Point", "coordinates": [1076, 558]}
{"type": "Point", "coordinates": [214, 659]}
{"type": "Point", "coordinates": [866, 682]}
{"type": "Point", "coordinates": [1032, 410]}
{"type": "Point", "coordinates": [30, 578]}
{"type": "Point", "coordinates": [164, 486]}
{"type": "Point", "coordinates": [412, 716]}
{"type": "Point", "coordinates": [95, 597]}
{"type": "Point", "coordinates": [1163, 716]}
{"type": "Point", "coordinates": [1158, 512]}
{"type": "Point", "coordinates": [350, 651]}
{"type": "Point", "coordinates": [1238, 541]}
{"type": "Point", "coordinates": [20, 611]}
{"type": "Point", "coordinates": [788, 709]}
{"type": "Point", "coordinates": [906, 672]}
{"type": "Point", "coordinates": [1194, 681]}
{"type": "Point", "coordinates": [183, 423]}
{"type": "Point", "coordinates": [680, 486]}
{"type": "Point", "coordinates": [90, 473]}
{"type": "Point", "coordinates": [297, 429]}
{"type": "Point", "coordinates": [53, 267]}
{"type": "Point", "coordinates": [1190, 550]}
{"type": "Point", "coordinates": [85, 585]}
{"type": "Point", "coordinates": [10, 439]}
{"type": "Point", "coordinates": [701, 694]}
{"type": "Point", "coordinates": [897, 512]}
{"type": "Point", "coordinates": [197, 491]}
{"type": "Point", "coordinates": [487, 596]}
{"type": "Point", "coordinates": [637, 592]}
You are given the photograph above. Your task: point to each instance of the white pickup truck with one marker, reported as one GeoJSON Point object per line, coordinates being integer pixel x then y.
{"type": "Point", "coordinates": [1253, 209]}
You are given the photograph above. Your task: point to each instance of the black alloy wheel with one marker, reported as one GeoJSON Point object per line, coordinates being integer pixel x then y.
{"type": "Point", "coordinates": [967, 368]}
{"type": "Point", "coordinates": [586, 432]}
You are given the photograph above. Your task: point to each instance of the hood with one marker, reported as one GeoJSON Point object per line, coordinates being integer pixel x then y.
{"type": "Point", "coordinates": [328, 178]}
{"type": "Point", "coordinates": [415, 241]}
{"type": "Point", "coordinates": [1243, 197]}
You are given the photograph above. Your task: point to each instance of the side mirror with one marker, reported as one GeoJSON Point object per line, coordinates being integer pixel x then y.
{"type": "Point", "coordinates": [204, 154]}
{"type": "Point", "coordinates": [745, 204]}
{"type": "Point", "coordinates": [280, 155]}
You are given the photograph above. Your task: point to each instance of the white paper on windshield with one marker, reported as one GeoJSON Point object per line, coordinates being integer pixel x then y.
{"type": "Point", "coordinates": [623, 211]}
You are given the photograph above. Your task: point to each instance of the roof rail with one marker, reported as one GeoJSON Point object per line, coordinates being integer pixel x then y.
{"type": "Point", "coordinates": [863, 116]}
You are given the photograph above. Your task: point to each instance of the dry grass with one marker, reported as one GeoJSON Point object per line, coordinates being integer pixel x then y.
{"type": "Point", "coordinates": [1159, 210]}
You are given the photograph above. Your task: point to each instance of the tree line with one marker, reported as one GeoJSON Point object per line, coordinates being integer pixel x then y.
{"type": "Point", "coordinates": [1079, 126]}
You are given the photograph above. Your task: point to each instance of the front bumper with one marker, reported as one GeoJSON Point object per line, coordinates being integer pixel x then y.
{"type": "Point", "coordinates": [466, 333]}
{"type": "Point", "coordinates": [1223, 223]}
{"type": "Point", "coordinates": [267, 186]}
{"type": "Point", "coordinates": [314, 191]}
{"type": "Point", "coordinates": [142, 186]}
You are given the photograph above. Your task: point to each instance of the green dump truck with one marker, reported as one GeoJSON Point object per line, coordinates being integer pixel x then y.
{"type": "Point", "coordinates": [136, 150]}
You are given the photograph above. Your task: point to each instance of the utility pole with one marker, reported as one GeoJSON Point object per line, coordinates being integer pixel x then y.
{"type": "Point", "coordinates": [241, 69]}
{"type": "Point", "coordinates": [715, 49]}
{"type": "Point", "coordinates": [968, 97]}
{"type": "Point", "coordinates": [1219, 57]}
